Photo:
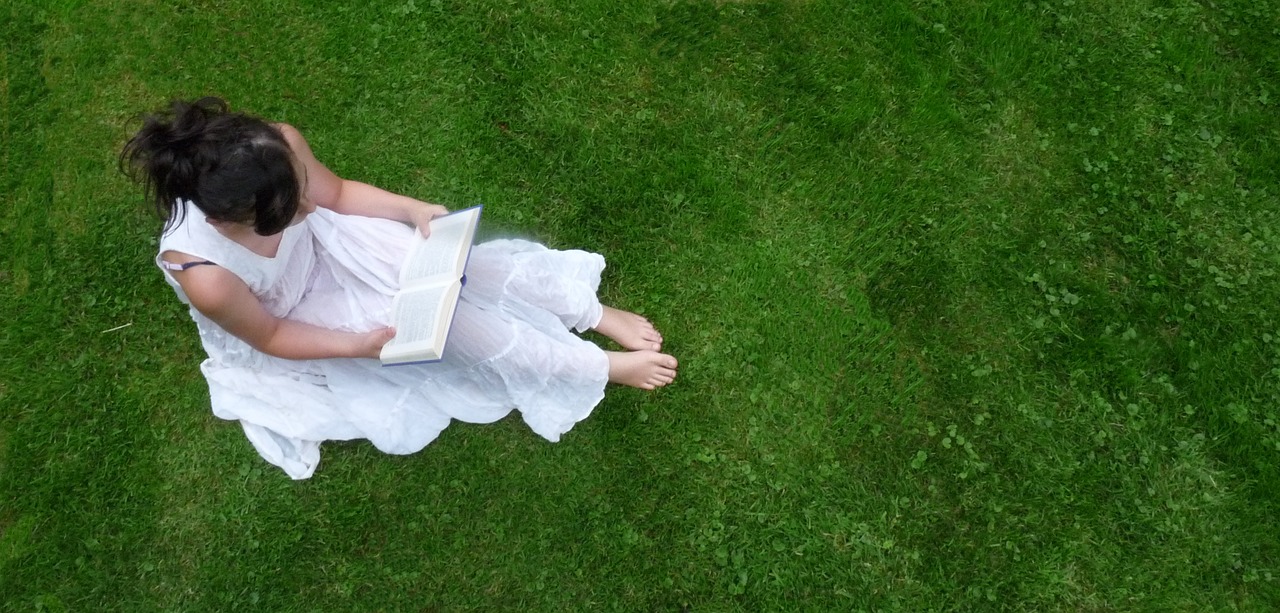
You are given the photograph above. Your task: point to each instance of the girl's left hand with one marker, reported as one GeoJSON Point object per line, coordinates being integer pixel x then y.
{"type": "Point", "coordinates": [421, 216]}
{"type": "Point", "coordinates": [369, 344]}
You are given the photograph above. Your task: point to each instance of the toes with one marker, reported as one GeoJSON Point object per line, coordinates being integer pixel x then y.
{"type": "Point", "coordinates": [663, 377]}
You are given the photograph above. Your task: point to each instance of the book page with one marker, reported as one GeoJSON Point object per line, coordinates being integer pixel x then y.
{"type": "Point", "coordinates": [416, 315]}
{"type": "Point", "coordinates": [422, 319]}
{"type": "Point", "coordinates": [437, 257]}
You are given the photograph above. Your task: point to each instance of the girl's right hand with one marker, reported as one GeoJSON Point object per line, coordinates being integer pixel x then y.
{"type": "Point", "coordinates": [369, 344]}
{"type": "Point", "coordinates": [421, 216]}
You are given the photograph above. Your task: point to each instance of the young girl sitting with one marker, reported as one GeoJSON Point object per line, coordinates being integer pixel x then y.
{"type": "Point", "coordinates": [289, 271]}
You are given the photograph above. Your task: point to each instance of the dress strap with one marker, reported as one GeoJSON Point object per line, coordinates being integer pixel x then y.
{"type": "Point", "coordinates": [167, 265]}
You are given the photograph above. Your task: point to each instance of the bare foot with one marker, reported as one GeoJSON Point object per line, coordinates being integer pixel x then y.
{"type": "Point", "coordinates": [643, 369]}
{"type": "Point", "coordinates": [629, 330]}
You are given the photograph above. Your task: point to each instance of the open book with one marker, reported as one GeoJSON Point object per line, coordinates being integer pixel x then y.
{"type": "Point", "coordinates": [430, 282]}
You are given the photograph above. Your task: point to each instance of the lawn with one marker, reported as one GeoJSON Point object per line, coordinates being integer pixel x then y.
{"type": "Point", "coordinates": [977, 306]}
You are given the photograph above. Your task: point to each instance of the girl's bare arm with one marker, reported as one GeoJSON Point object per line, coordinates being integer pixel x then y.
{"type": "Point", "coordinates": [224, 298]}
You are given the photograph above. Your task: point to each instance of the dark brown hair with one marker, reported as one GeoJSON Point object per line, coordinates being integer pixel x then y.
{"type": "Point", "coordinates": [234, 167]}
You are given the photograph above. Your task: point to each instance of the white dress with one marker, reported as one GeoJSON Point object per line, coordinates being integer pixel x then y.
{"type": "Point", "coordinates": [511, 346]}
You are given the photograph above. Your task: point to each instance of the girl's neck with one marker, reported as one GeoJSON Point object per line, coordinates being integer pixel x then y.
{"type": "Point", "coordinates": [243, 235]}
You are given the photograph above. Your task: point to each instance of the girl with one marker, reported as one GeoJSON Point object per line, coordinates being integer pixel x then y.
{"type": "Point", "coordinates": [289, 270]}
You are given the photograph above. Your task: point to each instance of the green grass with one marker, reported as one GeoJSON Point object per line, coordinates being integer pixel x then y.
{"type": "Point", "coordinates": [977, 306]}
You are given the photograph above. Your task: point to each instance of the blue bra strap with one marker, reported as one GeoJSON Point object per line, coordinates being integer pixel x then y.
{"type": "Point", "coordinates": [171, 266]}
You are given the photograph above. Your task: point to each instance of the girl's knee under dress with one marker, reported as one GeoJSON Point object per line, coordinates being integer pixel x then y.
{"type": "Point", "coordinates": [511, 346]}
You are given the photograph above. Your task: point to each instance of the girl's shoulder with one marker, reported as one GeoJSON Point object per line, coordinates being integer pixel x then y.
{"type": "Point", "coordinates": [291, 135]}
{"type": "Point", "coordinates": [211, 289]}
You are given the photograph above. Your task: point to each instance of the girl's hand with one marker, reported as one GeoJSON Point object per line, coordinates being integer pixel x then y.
{"type": "Point", "coordinates": [369, 344]}
{"type": "Point", "coordinates": [420, 216]}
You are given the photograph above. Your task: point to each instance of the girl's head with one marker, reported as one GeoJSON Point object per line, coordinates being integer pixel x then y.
{"type": "Point", "coordinates": [234, 167]}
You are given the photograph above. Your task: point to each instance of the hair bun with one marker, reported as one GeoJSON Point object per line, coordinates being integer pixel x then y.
{"type": "Point", "coordinates": [189, 121]}
{"type": "Point", "coordinates": [235, 167]}
{"type": "Point", "coordinates": [173, 147]}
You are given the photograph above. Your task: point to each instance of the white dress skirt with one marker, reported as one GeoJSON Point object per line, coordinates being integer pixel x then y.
{"type": "Point", "coordinates": [511, 347]}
